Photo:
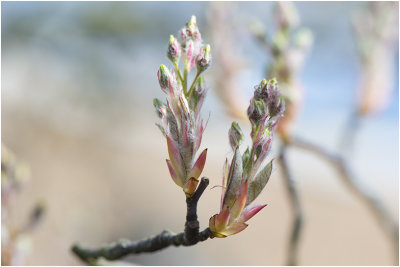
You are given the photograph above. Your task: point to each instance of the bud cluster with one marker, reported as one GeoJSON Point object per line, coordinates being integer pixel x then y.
{"type": "Point", "coordinates": [180, 114]}
{"type": "Point", "coordinates": [244, 179]}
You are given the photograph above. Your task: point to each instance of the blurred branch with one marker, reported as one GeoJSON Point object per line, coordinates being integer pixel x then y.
{"type": "Point", "coordinates": [296, 206]}
{"type": "Point", "coordinates": [34, 218]}
{"type": "Point", "coordinates": [189, 237]}
{"type": "Point", "coordinates": [389, 226]}
{"type": "Point", "coordinates": [346, 143]}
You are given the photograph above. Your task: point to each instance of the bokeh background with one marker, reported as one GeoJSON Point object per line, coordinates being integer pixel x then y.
{"type": "Point", "coordinates": [78, 79]}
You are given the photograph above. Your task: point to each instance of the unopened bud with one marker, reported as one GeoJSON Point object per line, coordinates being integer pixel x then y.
{"type": "Point", "coordinates": [204, 59]}
{"type": "Point", "coordinates": [256, 111]}
{"type": "Point", "coordinates": [235, 135]}
{"type": "Point", "coordinates": [174, 49]}
{"type": "Point", "coordinates": [263, 84]}
{"type": "Point", "coordinates": [190, 32]}
{"type": "Point", "coordinates": [192, 25]}
{"type": "Point", "coordinates": [163, 77]}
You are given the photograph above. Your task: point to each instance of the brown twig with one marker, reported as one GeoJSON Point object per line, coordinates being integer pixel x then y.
{"type": "Point", "coordinates": [347, 140]}
{"type": "Point", "coordinates": [189, 237]}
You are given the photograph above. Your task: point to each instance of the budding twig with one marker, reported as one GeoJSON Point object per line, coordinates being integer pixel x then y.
{"type": "Point", "coordinates": [189, 237]}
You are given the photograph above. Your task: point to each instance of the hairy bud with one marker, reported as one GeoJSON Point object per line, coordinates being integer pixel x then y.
{"type": "Point", "coordinates": [235, 135]}
{"type": "Point", "coordinates": [256, 111]}
{"type": "Point", "coordinates": [174, 49]}
{"type": "Point", "coordinates": [164, 75]}
{"type": "Point", "coordinates": [204, 59]}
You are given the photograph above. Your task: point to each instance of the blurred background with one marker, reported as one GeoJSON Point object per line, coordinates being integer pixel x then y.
{"type": "Point", "coordinates": [78, 80]}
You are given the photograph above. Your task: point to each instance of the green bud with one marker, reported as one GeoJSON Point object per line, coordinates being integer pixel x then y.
{"type": "Point", "coordinates": [263, 83]}
{"type": "Point", "coordinates": [163, 76]}
{"type": "Point", "coordinates": [174, 49]}
{"type": "Point", "coordinates": [204, 60]}
{"type": "Point", "coordinates": [192, 22]}
{"type": "Point", "coordinates": [235, 135]}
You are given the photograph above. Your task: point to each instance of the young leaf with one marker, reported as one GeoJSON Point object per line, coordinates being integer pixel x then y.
{"type": "Point", "coordinates": [258, 183]}
{"type": "Point", "coordinates": [234, 179]}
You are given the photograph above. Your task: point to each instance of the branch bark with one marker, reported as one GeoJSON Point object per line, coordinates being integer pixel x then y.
{"type": "Point", "coordinates": [189, 237]}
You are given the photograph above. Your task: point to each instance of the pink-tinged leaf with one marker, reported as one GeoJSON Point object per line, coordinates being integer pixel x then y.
{"type": "Point", "coordinates": [175, 156]}
{"type": "Point", "coordinates": [258, 183]}
{"type": "Point", "coordinates": [173, 85]}
{"type": "Point", "coordinates": [234, 179]}
{"type": "Point", "coordinates": [174, 175]}
{"type": "Point", "coordinates": [248, 213]}
{"type": "Point", "coordinates": [240, 201]}
{"type": "Point", "coordinates": [190, 186]}
{"type": "Point", "coordinates": [172, 124]}
{"type": "Point", "coordinates": [234, 229]}
{"type": "Point", "coordinates": [199, 165]}
{"type": "Point", "coordinates": [199, 134]}
{"type": "Point", "coordinates": [222, 219]}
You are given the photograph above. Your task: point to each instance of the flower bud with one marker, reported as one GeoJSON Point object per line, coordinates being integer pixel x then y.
{"type": "Point", "coordinates": [174, 49]}
{"type": "Point", "coordinates": [163, 77]}
{"type": "Point", "coordinates": [256, 111]}
{"type": "Point", "coordinates": [235, 136]}
{"type": "Point", "coordinates": [204, 59]}
{"type": "Point", "coordinates": [191, 27]}
{"type": "Point", "coordinates": [190, 32]}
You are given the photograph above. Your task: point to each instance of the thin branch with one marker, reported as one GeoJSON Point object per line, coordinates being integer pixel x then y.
{"type": "Point", "coordinates": [189, 237]}
{"type": "Point", "coordinates": [346, 142]}
{"type": "Point", "coordinates": [296, 207]}
{"type": "Point", "coordinates": [389, 226]}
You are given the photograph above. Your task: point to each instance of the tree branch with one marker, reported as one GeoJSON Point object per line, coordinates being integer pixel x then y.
{"type": "Point", "coordinates": [389, 226]}
{"type": "Point", "coordinates": [296, 207]}
{"type": "Point", "coordinates": [347, 139]}
{"type": "Point", "coordinates": [189, 237]}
